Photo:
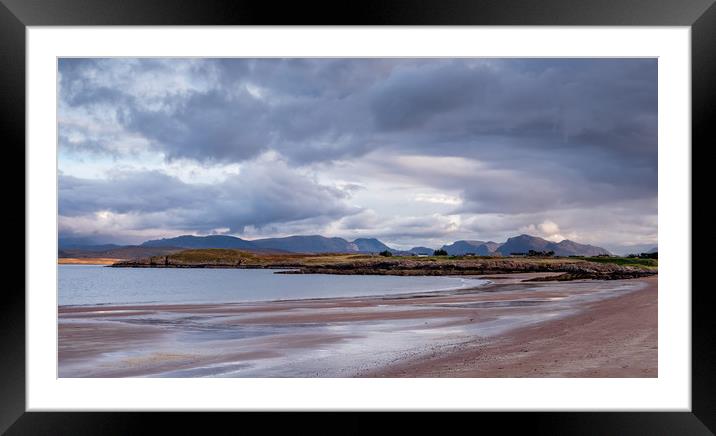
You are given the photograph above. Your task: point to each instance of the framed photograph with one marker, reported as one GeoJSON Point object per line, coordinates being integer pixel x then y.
{"type": "Point", "coordinates": [443, 209]}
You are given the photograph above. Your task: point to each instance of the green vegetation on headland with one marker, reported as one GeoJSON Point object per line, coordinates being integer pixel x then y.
{"type": "Point", "coordinates": [647, 263]}
{"type": "Point", "coordinates": [602, 268]}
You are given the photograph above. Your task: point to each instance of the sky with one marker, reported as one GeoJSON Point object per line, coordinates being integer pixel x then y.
{"type": "Point", "coordinates": [415, 152]}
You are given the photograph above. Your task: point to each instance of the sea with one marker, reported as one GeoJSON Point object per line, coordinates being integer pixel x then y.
{"type": "Point", "coordinates": [102, 285]}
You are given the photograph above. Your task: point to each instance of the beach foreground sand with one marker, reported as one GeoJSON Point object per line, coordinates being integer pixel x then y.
{"type": "Point", "coordinates": [505, 329]}
{"type": "Point", "coordinates": [616, 337]}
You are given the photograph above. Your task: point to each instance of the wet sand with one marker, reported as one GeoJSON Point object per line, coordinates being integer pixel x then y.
{"type": "Point", "coordinates": [611, 338]}
{"type": "Point", "coordinates": [505, 329]}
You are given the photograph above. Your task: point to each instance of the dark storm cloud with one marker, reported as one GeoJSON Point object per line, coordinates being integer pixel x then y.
{"type": "Point", "coordinates": [204, 126]}
{"type": "Point", "coordinates": [230, 110]}
{"type": "Point", "coordinates": [411, 99]}
{"type": "Point", "coordinates": [256, 197]}
{"type": "Point", "coordinates": [574, 104]}
{"type": "Point", "coordinates": [319, 109]}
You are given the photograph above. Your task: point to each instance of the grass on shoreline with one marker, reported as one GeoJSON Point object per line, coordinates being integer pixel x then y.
{"type": "Point", "coordinates": [625, 261]}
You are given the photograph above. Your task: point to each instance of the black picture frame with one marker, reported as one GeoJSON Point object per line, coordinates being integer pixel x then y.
{"type": "Point", "coordinates": [16, 15]}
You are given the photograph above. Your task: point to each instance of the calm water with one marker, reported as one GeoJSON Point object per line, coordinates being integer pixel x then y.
{"type": "Point", "coordinates": [95, 284]}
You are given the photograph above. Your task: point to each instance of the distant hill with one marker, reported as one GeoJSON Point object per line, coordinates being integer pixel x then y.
{"type": "Point", "coordinates": [370, 245]}
{"type": "Point", "coordinates": [571, 248]}
{"type": "Point", "coordinates": [653, 250]}
{"type": "Point", "coordinates": [294, 244]}
{"type": "Point", "coordinates": [480, 248]}
{"type": "Point", "coordinates": [211, 241]}
{"type": "Point", "coordinates": [307, 244]}
{"type": "Point", "coordinates": [525, 243]}
{"type": "Point", "coordinates": [421, 250]}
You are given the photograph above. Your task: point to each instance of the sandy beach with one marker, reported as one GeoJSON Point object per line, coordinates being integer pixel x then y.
{"type": "Point", "coordinates": [504, 329]}
{"type": "Point", "coordinates": [611, 338]}
{"type": "Point", "coordinates": [87, 261]}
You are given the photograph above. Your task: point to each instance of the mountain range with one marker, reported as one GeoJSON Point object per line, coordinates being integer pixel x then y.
{"type": "Point", "coordinates": [322, 244]}
{"type": "Point", "coordinates": [290, 244]}
{"type": "Point", "coordinates": [522, 244]}
{"type": "Point", "coordinates": [525, 243]}
{"type": "Point", "coordinates": [480, 248]}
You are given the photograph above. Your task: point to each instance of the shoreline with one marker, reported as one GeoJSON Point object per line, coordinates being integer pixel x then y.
{"type": "Point", "coordinates": [503, 279]}
{"type": "Point", "coordinates": [87, 261]}
{"type": "Point", "coordinates": [577, 268]}
{"type": "Point", "coordinates": [328, 337]}
{"type": "Point", "coordinates": [189, 304]}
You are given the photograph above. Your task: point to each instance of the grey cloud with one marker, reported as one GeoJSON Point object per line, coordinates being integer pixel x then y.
{"type": "Point", "coordinates": [410, 98]}
{"type": "Point", "coordinates": [326, 109]}
{"type": "Point", "coordinates": [257, 197]}
{"type": "Point", "coordinates": [207, 126]}
{"type": "Point", "coordinates": [144, 192]}
{"type": "Point", "coordinates": [574, 102]}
